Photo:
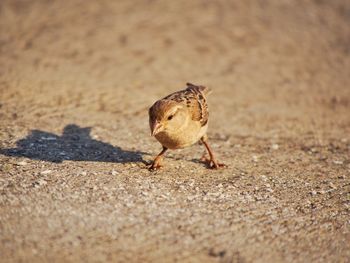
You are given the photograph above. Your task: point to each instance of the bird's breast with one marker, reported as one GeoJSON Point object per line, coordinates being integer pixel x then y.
{"type": "Point", "coordinates": [181, 138]}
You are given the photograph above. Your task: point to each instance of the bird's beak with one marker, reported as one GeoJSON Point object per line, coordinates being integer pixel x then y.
{"type": "Point", "coordinates": [156, 127]}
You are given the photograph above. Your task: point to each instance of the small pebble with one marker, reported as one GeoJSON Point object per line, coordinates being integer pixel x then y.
{"type": "Point", "coordinates": [313, 150]}
{"type": "Point", "coordinates": [337, 162]}
{"type": "Point", "coordinates": [22, 163]}
{"type": "Point", "coordinates": [274, 146]}
{"type": "Point", "coordinates": [114, 172]}
{"type": "Point", "coordinates": [45, 172]}
{"type": "Point", "coordinates": [42, 182]}
{"type": "Point", "coordinates": [331, 185]}
{"type": "Point", "coordinates": [191, 198]}
{"type": "Point", "coordinates": [48, 138]}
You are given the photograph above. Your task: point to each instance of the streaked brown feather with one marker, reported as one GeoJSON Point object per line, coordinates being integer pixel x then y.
{"type": "Point", "coordinates": [193, 97]}
{"type": "Point", "coordinates": [159, 108]}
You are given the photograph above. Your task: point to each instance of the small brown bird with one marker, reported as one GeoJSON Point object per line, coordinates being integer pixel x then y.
{"type": "Point", "coordinates": [180, 120]}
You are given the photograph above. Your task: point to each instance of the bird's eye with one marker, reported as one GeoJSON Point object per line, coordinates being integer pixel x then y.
{"type": "Point", "coordinates": [170, 117]}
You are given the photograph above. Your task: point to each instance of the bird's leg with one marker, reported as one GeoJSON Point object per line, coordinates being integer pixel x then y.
{"type": "Point", "coordinates": [212, 162]}
{"type": "Point", "coordinates": [157, 162]}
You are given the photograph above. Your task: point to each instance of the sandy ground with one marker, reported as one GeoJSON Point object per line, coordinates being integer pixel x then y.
{"type": "Point", "coordinates": [76, 80]}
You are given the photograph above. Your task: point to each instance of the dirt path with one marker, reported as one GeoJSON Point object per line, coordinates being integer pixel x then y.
{"type": "Point", "coordinates": [76, 80]}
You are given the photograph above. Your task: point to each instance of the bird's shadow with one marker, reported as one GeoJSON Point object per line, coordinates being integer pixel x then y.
{"type": "Point", "coordinates": [75, 144]}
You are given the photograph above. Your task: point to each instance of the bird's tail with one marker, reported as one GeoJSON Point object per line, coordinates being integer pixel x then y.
{"type": "Point", "coordinates": [205, 90]}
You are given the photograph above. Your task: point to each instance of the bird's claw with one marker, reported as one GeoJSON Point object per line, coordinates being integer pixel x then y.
{"type": "Point", "coordinates": [212, 164]}
{"type": "Point", "coordinates": [216, 165]}
{"type": "Point", "coordinates": [154, 166]}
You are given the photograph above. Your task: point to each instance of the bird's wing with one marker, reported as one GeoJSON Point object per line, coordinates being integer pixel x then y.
{"type": "Point", "coordinates": [194, 99]}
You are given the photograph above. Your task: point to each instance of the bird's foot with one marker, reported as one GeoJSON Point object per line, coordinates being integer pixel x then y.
{"type": "Point", "coordinates": [155, 165]}
{"type": "Point", "coordinates": [212, 163]}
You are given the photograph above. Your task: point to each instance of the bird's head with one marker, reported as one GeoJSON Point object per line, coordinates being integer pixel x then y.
{"type": "Point", "coordinates": [166, 115]}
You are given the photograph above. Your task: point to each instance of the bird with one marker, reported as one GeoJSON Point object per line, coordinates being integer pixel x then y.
{"type": "Point", "coordinates": [180, 120]}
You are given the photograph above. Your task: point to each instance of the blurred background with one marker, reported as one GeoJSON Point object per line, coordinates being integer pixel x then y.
{"type": "Point", "coordinates": [76, 81]}
{"type": "Point", "coordinates": [275, 57]}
